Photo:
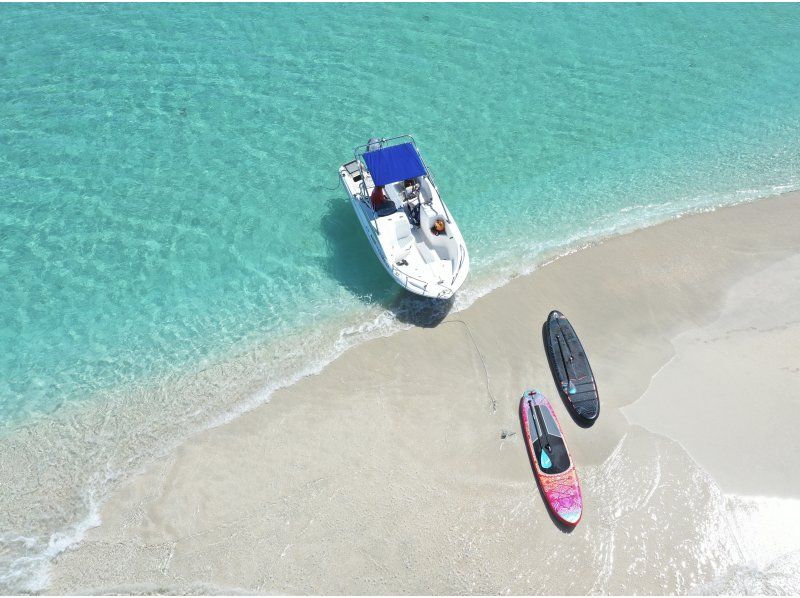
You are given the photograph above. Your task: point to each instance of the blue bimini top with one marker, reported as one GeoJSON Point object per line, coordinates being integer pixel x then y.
{"type": "Point", "coordinates": [394, 163]}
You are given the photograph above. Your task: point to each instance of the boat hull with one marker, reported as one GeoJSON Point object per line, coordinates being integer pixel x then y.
{"type": "Point", "coordinates": [430, 289]}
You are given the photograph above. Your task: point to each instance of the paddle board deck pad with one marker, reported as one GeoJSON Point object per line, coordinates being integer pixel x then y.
{"type": "Point", "coordinates": [552, 463]}
{"type": "Point", "coordinates": [571, 370]}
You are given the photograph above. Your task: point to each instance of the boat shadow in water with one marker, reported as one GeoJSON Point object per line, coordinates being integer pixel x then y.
{"type": "Point", "coordinates": [420, 311]}
{"type": "Point", "coordinates": [356, 267]}
{"type": "Point", "coordinates": [351, 260]}
{"type": "Point", "coordinates": [563, 527]}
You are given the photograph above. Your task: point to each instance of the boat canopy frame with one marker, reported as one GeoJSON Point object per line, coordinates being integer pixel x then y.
{"type": "Point", "coordinates": [383, 142]}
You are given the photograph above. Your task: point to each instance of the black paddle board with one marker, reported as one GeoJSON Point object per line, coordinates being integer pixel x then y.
{"type": "Point", "coordinates": [571, 370]}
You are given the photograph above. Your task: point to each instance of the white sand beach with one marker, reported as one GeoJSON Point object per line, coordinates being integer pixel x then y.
{"type": "Point", "coordinates": [400, 468]}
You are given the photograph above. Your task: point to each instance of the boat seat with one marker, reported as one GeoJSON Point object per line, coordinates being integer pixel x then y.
{"type": "Point", "coordinates": [427, 216]}
{"type": "Point", "coordinates": [404, 239]}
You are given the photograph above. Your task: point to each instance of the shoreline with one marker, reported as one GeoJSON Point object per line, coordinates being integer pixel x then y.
{"type": "Point", "coordinates": [755, 400]}
{"type": "Point", "coordinates": [483, 339]}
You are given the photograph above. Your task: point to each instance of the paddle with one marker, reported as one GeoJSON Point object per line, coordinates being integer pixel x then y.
{"type": "Point", "coordinates": [541, 430]}
{"type": "Point", "coordinates": [570, 386]}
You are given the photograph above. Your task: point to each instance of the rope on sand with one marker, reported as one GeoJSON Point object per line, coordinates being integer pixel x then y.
{"type": "Point", "coordinates": [482, 358]}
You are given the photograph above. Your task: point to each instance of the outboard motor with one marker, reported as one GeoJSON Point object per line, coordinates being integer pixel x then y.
{"type": "Point", "coordinates": [373, 144]}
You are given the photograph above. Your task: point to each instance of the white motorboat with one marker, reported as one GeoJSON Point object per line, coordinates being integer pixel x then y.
{"type": "Point", "coordinates": [408, 225]}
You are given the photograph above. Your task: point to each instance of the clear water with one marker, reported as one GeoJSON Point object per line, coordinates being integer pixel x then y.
{"type": "Point", "coordinates": [168, 188]}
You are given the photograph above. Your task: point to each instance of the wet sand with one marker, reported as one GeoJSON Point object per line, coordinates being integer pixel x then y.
{"type": "Point", "coordinates": [400, 468]}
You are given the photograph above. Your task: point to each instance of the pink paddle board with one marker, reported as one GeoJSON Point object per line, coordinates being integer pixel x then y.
{"type": "Point", "coordinates": [551, 460]}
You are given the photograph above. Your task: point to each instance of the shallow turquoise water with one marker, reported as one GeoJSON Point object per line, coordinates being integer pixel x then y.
{"type": "Point", "coordinates": [168, 172]}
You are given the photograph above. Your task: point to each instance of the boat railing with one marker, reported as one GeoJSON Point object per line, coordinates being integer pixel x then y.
{"type": "Point", "coordinates": [461, 254]}
{"type": "Point", "coordinates": [362, 183]}
{"type": "Point", "coordinates": [433, 181]}
{"type": "Point", "coordinates": [382, 142]}
{"type": "Point", "coordinates": [446, 211]}
{"type": "Point", "coordinates": [424, 284]}
{"type": "Point", "coordinates": [408, 276]}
